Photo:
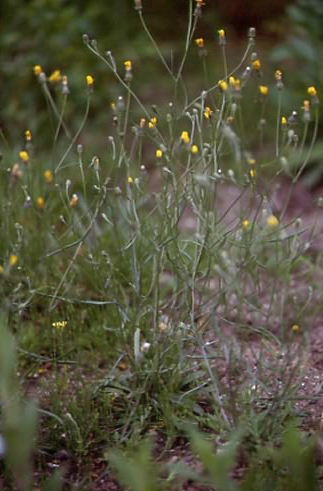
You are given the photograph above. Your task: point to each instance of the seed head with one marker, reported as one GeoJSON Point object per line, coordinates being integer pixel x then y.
{"type": "Point", "coordinates": [74, 201]}
{"type": "Point", "coordinates": [159, 153]}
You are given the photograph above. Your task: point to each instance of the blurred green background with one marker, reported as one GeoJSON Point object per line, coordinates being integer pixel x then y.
{"type": "Point", "coordinates": [49, 32]}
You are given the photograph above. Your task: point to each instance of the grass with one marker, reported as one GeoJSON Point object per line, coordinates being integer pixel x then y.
{"type": "Point", "coordinates": [153, 288]}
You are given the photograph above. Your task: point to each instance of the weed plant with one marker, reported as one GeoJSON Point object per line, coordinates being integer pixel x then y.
{"type": "Point", "coordinates": [155, 284]}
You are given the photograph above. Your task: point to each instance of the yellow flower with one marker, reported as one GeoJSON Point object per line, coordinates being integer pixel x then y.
{"type": "Point", "coordinates": [223, 85]}
{"type": "Point", "coordinates": [263, 89]}
{"type": "Point", "coordinates": [246, 224]}
{"type": "Point", "coordinates": [251, 161]}
{"type": "Point", "coordinates": [74, 201]}
{"type": "Point", "coordinates": [59, 324]}
{"type": "Point", "coordinates": [130, 180]}
{"type": "Point", "coordinates": [89, 80]}
{"type": "Point", "coordinates": [40, 202]}
{"type": "Point", "coordinates": [24, 155]}
{"type": "Point", "coordinates": [128, 65]}
{"type": "Point", "coordinates": [253, 173]}
{"type": "Point", "coordinates": [28, 135]}
{"type": "Point", "coordinates": [312, 91]}
{"type": "Point", "coordinates": [37, 69]}
{"type": "Point", "coordinates": [48, 176]}
{"type": "Point", "coordinates": [199, 42]}
{"type": "Point", "coordinates": [1, 269]}
{"type": "Point", "coordinates": [13, 260]}
{"type": "Point", "coordinates": [208, 112]}
{"type": "Point", "coordinates": [195, 149]}
{"type": "Point", "coordinates": [159, 153]}
{"type": "Point", "coordinates": [295, 328]}
{"type": "Point", "coordinates": [272, 221]}
{"type": "Point", "coordinates": [153, 122]}
{"type": "Point", "coordinates": [256, 64]}
{"type": "Point", "coordinates": [185, 137]}
{"type": "Point", "coordinates": [221, 34]}
{"type": "Point", "coordinates": [55, 77]}
{"type": "Point", "coordinates": [284, 121]}
{"type": "Point", "coordinates": [278, 75]}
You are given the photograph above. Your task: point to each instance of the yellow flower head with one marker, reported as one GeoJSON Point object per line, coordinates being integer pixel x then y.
{"type": "Point", "coordinates": [223, 85]}
{"type": "Point", "coordinates": [253, 173]}
{"type": "Point", "coordinates": [195, 149]}
{"type": "Point", "coordinates": [130, 180]}
{"type": "Point", "coordinates": [199, 42]}
{"type": "Point", "coordinates": [246, 224]}
{"type": "Point", "coordinates": [55, 77]}
{"type": "Point", "coordinates": [263, 89]}
{"type": "Point", "coordinates": [295, 328]}
{"type": "Point", "coordinates": [37, 69]}
{"type": "Point", "coordinates": [13, 260]}
{"type": "Point", "coordinates": [208, 112]}
{"type": "Point", "coordinates": [48, 176]}
{"type": "Point", "coordinates": [251, 161]}
{"type": "Point", "coordinates": [272, 221]}
{"type": "Point", "coordinates": [24, 155]}
{"type": "Point", "coordinates": [312, 91]}
{"type": "Point", "coordinates": [59, 324]}
{"type": "Point", "coordinates": [153, 122]}
{"type": "Point", "coordinates": [74, 201]}
{"type": "Point", "coordinates": [256, 64]}
{"type": "Point", "coordinates": [278, 75]}
{"type": "Point", "coordinates": [185, 137]}
{"type": "Point", "coordinates": [1, 269]}
{"type": "Point", "coordinates": [159, 153]}
{"type": "Point", "coordinates": [40, 202]}
{"type": "Point", "coordinates": [28, 135]}
{"type": "Point", "coordinates": [221, 33]}
{"type": "Point", "coordinates": [306, 106]}
{"type": "Point", "coordinates": [89, 80]}
{"type": "Point", "coordinates": [283, 121]}
{"type": "Point", "coordinates": [128, 65]}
